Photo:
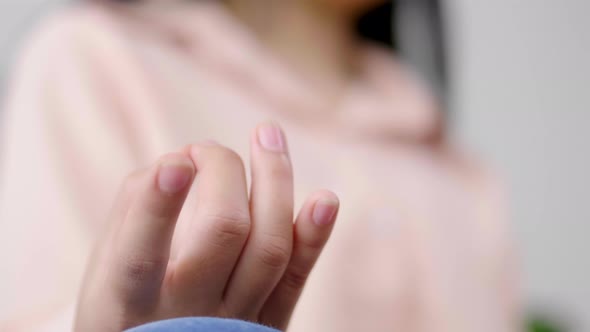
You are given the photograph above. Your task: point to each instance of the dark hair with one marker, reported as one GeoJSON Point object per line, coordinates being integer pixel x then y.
{"type": "Point", "coordinates": [415, 29]}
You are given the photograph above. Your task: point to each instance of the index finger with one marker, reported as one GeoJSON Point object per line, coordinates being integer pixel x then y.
{"type": "Point", "coordinates": [142, 245]}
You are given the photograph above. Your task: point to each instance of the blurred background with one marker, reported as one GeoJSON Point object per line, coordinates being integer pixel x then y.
{"type": "Point", "coordinates": [521, 99]}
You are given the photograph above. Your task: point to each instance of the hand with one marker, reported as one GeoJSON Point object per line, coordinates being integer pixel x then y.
{"type": "Point", "coordinates": [238, 258]}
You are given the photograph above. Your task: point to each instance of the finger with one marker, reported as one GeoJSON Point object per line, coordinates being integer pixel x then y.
{"type": "Point", "coordinates": [268, 249]}
{"type": "Point", "coordinates": [312, 230]}
{"type": "Point", "coordinates": [219, 225]}
{"type": "Point", "coordinates": [143, 240]}
{"type": "Point", "coordinates": [126, 195]}
{"type": "Point", "coordinates": [104, 241]}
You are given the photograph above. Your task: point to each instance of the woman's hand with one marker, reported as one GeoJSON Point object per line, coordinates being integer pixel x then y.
{"type": "Point", "coordinates": [238, 257]}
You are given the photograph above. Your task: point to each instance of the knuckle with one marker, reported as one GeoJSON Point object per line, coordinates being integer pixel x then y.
{"type": "Point", "coordinates": [275, 253]}
{"type": "Point", "coordinates": [138, 270]}
{"type": "Point", "coordinates": [227, 156]}
{"type": "Point", "coordinates": [295, 278]}
{"type": "Point", "coordinates": [216, 154]}
{"type": "Point", "coordinates": [228, 227]}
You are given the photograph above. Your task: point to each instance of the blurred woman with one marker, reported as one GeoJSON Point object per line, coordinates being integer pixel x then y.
{"type": "Point", "coordinates": [104, 88]}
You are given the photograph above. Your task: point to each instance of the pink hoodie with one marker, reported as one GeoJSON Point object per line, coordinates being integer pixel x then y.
{"type": "Point", "coordinates": [421, 243]}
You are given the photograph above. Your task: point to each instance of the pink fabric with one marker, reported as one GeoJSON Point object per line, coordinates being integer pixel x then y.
{"type": "Point", "coordinates": [421, 243]}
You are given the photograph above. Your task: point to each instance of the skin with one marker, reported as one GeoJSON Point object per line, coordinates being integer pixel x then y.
{"type": "Point", "coordinates": [315, 38]}
{"type": "Point", "coordinates": [241, 258]}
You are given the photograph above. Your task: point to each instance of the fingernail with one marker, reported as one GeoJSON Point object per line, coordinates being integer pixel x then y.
{"type": "Point", "coordinates": [174, 176]}
{"type": "Point", "coordinates": [324, 212]}
{"type": "Point", "coordinates": [271, 138]}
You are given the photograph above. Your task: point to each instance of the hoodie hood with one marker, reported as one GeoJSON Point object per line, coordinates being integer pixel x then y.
{"type": "Point", "coordinates": [385, 101]}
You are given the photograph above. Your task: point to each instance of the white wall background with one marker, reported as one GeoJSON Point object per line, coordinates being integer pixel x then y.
{"type": "Point", "coordinates": [523, 92]}
{"type": "Point", "coordinates": [523, 101]}
{"type": "Point", "coordinates": [17, 17]}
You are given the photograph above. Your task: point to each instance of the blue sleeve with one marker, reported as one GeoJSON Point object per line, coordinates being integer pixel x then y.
{"type": "Point", "coordinates": [202, 324]}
